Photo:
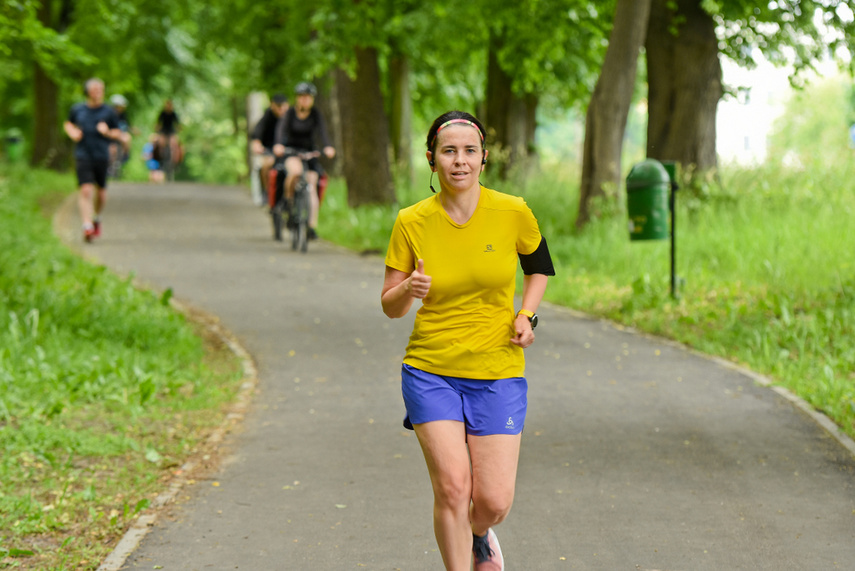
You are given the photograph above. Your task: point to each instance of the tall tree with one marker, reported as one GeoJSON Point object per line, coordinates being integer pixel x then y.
{"type": "Point", "coordinates": [686, 39]}
{"type": "Point", "coordinates": [48, 148]}
{"type": "Point", "coordinates": [607, 113]}
{"type": "Point", "coordinates": [684, 83]}
{"type": "Point", "coordinates": [537, 49]}
{"type": "Point", "coordinates": [400, 112]}
{"type": "Point", "coordinates": [365, 133]}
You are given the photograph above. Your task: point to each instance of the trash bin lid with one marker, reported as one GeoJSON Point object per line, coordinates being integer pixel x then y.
{"type": "Point", "coordinates": [647, 173]}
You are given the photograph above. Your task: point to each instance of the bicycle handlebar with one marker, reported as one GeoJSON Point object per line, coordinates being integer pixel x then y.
{"type": "Point", "coordinates": [302, 155]}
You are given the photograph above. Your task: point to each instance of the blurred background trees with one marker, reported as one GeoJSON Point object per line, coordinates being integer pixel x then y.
{"type": "Point", "coordinates": [386, 69]}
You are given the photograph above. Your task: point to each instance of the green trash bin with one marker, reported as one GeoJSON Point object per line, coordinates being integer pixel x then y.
{"type": "Point", "coordinates": [647, 186]}
{"type": "Point", "coordinates": [14, 145]}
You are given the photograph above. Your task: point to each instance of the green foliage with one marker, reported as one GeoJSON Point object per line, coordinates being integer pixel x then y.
{"type": "Point", "coordinates": [796, 32]}
{"type": "Point", "coordinates": [102, 386]}
{"type": "Point", "coordinates": [813, 130]}
{"type": "Point", "coordinates": [23, 33]}
{"type": "Point", "coordinates": [553, 48]}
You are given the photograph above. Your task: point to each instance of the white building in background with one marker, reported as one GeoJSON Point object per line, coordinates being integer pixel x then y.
{"type": "Point", "coordinates": [744, 122]}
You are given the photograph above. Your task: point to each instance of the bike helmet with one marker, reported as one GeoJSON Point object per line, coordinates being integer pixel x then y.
{"type": "Point", "coordinates": [306, 88]}
{"type": "Point", "coordinates": [119, 100]}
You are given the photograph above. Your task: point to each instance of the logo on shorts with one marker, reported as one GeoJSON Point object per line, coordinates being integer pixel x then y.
{"type": "Point", "coordinates": [489, 248]}
{"type": "Point", "coordinates": [510, 424]}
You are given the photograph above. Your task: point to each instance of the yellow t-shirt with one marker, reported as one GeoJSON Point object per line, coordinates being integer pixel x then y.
{"type": "Point", "coordinates": [465, 324]}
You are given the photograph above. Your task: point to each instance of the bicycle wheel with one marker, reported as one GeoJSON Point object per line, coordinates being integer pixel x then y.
{"type": "Point", "coordinates": [116, 161]}
{"type": "Point", "coordinates": [168, 165]}
{"type": "Point", "coordinates": [300, 232]}
{"type": "Point", "coordinates": [276, 216]}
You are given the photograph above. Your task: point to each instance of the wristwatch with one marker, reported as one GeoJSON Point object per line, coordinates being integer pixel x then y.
{"type": "Point", "coordinates": [532, 317]}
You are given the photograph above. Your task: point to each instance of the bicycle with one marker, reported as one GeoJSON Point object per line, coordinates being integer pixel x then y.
{"type": "Point", "coordinates": [118, 158]}
{"type": "Point", "coordinates": [168, 162]}
{"type": "Point", "coordinates": [276, 196]}
{"type": "Point", "coordinates": [298, 214]}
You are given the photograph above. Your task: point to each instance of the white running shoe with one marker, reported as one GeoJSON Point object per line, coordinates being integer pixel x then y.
{"type": "Point", "coordinates": [486, 552]}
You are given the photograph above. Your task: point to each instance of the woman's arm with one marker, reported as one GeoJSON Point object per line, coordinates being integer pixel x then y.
{"type": "Point", "coordinates": [534, 286]}
{"type": "Point", "coordinates": [400, 289]}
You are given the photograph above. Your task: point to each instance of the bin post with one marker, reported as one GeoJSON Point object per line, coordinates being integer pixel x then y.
{"type": "Point", "coordinates": [671, 168]}
{"type": "Point", "coordinates": [647, 201]}
{"type": "Point", "coordinates": [14, 141]}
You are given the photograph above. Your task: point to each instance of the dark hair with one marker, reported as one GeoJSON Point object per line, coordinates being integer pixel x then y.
{"type": "Point", "coordinates": [451, 116]}
{"type": "Point", "coordinates": [279, 98]}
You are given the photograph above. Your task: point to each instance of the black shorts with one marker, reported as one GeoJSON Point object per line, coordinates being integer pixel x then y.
{"type": "Point", "coordinates": [314, 163]}
{"type": "Point", "coordinates": [92, 172]}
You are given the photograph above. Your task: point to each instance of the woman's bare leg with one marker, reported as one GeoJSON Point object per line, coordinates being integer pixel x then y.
{"type": "Point", "coordinates": [444, 445]}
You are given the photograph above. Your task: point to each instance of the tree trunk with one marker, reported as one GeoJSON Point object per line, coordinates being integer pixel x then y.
{"type": "Point", "coordinates": [401, 114]}
{"type": "Point", "coordinates": [517, 129]}
{"type": "Point", "coordinates": [49, 149]}
{"type": "Point", "coordinates": [497, 108]}
{"type": "Point", "coordinates": [531, 103]}
{"type": "Point", "coordinates": [327, 102]}
{"type": "Point", "coordinates": [521, 127]}
{"type": "Point", "coordinates": [365, 133]}
{"type": "Point", "coordinates": [684, 77]}
{"type": "Point", "coordinates": [236, 115]}
{"type": "Point", "coordinates": [607, 113]}
{"type": "Point", "coordinates": [254, 110]}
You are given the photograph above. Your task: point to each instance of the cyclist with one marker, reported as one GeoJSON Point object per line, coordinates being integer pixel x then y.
{"type": "Point", "coordinates": [120, 151]}
{"type": "Point", "coordinates": [92, 125]}
{"type": "Point", "coordinates": [168, 125]}
{"type": "Point", "coordinates": [151, 156]}
{"type": "Point", "coordinates": [301, 126]}
{"type": "Point", "coordinates": [264, 138]}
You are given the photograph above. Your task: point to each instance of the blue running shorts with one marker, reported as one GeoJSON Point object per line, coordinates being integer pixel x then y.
{"type": "Point", "coordinates": [485, 407]}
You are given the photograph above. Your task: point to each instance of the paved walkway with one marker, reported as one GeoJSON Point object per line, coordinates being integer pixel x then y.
{"type": "Point", "coordinates": [637, 454]}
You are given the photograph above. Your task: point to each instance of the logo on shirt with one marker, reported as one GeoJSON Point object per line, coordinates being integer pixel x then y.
{"type": "Point", "coordinates": [489, 248]}
{"type": "Point", "coordinates": [510, 424]}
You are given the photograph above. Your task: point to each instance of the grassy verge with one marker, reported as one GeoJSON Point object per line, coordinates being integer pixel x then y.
{"type": "Point", "coordinates": [104, 391]}
{"type": "Point", "coordinates": [765, 253]}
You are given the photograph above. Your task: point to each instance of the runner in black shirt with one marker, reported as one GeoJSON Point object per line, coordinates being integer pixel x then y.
{"type": "Point", "coordinates": [92, 126]}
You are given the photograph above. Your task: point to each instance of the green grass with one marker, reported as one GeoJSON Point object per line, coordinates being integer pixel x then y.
{"type": "Point", "coordinates": [104, 390]}
{"type": "Point", "coordinates": [766, 256]}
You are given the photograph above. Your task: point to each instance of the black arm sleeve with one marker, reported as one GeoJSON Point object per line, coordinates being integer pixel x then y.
{"type": "Point", "coordinates": [539, 261]}
{"type": "Point", "coordinates": [322, 129]}
{"type": "Point", "coordinates": [259, 128]}
{"type": "Point", "coordinates": [282, 128]}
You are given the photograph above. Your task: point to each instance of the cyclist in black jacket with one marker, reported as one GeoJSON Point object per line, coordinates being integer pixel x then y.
{"type": "Point", "coordinates": [298, 131]}
{"type": "Point", "coordinates": [263, 136]}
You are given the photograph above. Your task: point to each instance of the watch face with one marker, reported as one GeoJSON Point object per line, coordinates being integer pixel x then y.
{"type": "Point", "coordinates": [533, 320]}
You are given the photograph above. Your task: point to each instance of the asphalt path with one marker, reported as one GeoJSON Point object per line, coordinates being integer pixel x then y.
{"type": "Point", "coordinates": [637, 454]}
